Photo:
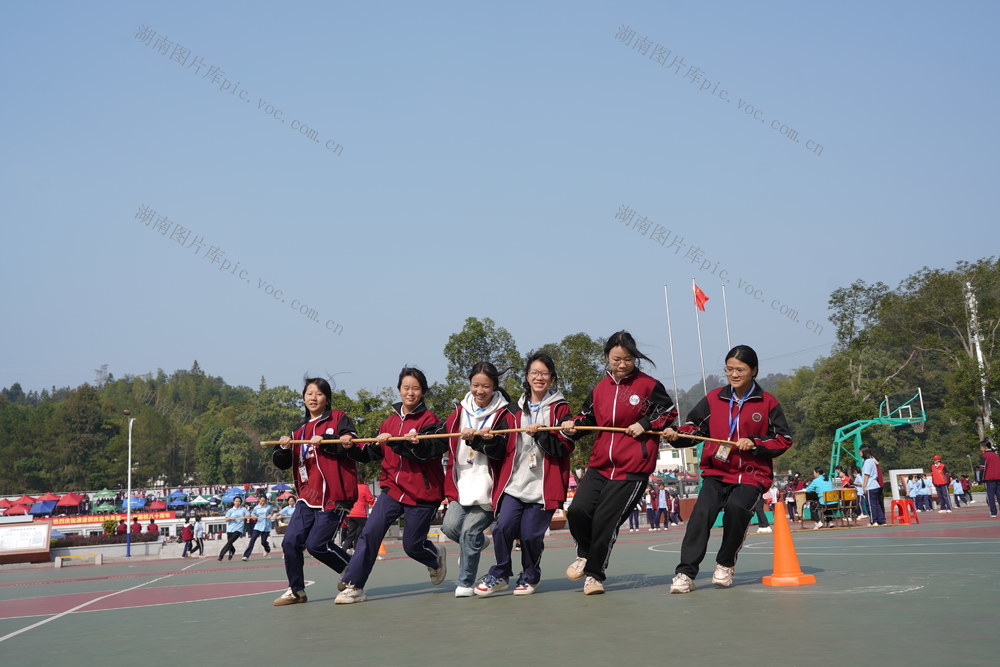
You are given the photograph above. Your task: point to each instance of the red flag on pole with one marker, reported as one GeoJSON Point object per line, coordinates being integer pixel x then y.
{"type": "Point", "coordinates": [700, 298]}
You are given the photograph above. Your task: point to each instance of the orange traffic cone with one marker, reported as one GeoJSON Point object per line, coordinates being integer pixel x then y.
{"type": "Point", "coordinates": [382, 551]}
{"type": "Point", "coordinates": [786, 563]}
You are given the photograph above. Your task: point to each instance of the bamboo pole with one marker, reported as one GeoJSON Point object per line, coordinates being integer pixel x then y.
{"type": "Point", "coordinates": [503, 431]}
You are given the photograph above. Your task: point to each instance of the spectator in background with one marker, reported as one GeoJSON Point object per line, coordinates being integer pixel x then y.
{"type": "Point", "coordinates": [286, 512]}
{"type": "Point", "coordinates": [792, 486]}
{"type": "Point", "coordinates": [967, 490]}
{"type": "Point", "coordinates": [939, 477]}
{"type": "Point", "coordinates": [818, 509]}
{"type": "Point", "coordinates": [263, 514]}
{"type": "Point", "coordinates": [913, 492]}
{"type": "Point", "coordinates": [153, 528]}
{"type": "Point", "coordinates": [925, 493]}
{"type": "Point", "coordinates": [956, 489]}
{"type": "Point", "coordinates": [871, 474]}
{"type": "Point", "coordinates": [121, 528]}
{"type": "Point", "coordinates": [136, 526]}
{"type": "Point", "coordinates": [653, 510]}
{"type": "Point", "coordinates": [674, 509]}
{"type": "Point", "coordinates": [199, 536]}
{"type": "Point", "coordinates": [860, 488]}
{"type": "Point", "coordinates": [357, 518]}
{"type": "Point", "coordinates": [989, 466]}
{"type": "Point", "coordinates": [187, 534]}
{"type": "Point", "coordinates": [633, 517]}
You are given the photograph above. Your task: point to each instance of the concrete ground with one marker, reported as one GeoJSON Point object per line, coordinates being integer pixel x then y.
{"type": "Point", "coordinates": [914, 595]}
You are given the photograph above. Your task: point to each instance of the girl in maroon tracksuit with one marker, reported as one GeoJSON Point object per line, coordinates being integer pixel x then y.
{"type": "Point", "coordinates": [412, 485]}
{"type": "Point", "coordinates": [326, 481]}
{"type": "Point", "coordinates": [532, 482]}
{"type": "Point", "coordinates": [735, 476]}
{"type": "Point", "coordinates": [620, 463]}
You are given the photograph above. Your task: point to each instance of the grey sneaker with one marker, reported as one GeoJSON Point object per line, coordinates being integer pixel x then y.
{"type": "Point", "coordinates": [592, 586]}
{"type": "Point", "coordinates": [575, 570]}
{"type": "Point", "coordinates": [723, 576]}
{"type": "Point", "coordinates": [350, 595]}
{"type": "Point", "coordinates": [438, 574]}
{"type": "Point", "coordinates": [682, 584]}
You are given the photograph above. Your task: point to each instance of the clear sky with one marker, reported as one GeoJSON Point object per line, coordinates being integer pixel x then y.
{"type": "Point", "coordinates": [473, 159]}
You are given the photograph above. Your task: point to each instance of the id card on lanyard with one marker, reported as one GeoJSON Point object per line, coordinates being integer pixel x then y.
{"type": "Point", "coordinates": [722, 453]}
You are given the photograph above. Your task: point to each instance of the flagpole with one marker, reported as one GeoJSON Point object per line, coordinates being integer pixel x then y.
{"type": "Point", "coordinates": [673, 371]}
{"type": "Point", "coordinates": [701, 350]}
{"type": "Point", "coordinates": [725, 310]}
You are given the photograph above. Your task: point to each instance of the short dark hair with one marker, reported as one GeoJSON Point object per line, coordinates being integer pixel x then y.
{"type": "Point", "coordinates": [416, 374]}
{"type": "Point", "coordinates": [549, 364]}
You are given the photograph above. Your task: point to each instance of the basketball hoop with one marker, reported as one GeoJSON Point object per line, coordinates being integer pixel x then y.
{"type": "Point", "coordinates": [918, 427]}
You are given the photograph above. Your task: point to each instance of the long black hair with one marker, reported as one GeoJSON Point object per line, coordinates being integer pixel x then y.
{"type": "Point", "coordinates": [624, 339]}
{"type": "Point", "coordinates": [324, 388]}
{"type": "Point", "coordinates": [490, 371]}
{"type": "Point", "coordinates": [549, 364]}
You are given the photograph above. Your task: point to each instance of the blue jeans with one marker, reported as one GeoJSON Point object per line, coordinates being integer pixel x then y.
{"type": "Point", "coordinates": [415, 543]}
{"type": "Point", "coordinates": [527, 522]}
{"type": "Point", "coordinates": [465, 525]}
{"type": "Point", "coordinates": [312, 529]}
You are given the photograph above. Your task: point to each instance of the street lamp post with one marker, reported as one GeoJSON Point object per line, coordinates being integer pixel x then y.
{"type": "Point", "coordinates": [128, 493]}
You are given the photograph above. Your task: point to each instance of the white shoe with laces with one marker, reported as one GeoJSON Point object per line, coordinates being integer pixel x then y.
{"type": "Point", "coordinates": [350, 595]}
{"type": "Point", "coordinates": [723, 576]}
{"type": "Point", "coordinates": [682, 584]}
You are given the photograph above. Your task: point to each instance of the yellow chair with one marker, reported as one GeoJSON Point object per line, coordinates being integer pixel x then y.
{"type": "Point", "coordinates": [849, 505]}
{"type": "Point", "coordinates": [832, 503]}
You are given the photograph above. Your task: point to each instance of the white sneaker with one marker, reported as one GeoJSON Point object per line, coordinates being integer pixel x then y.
{"type": "Point", "coordinates": [489, 585]}
{"type": "Point", "coordinates": [438, 574]}
{"type": "Point", "coordinates": [464, 591]}
{"type": "Point", "coordinates": [865, 516]}
{"type": "Point", "coordinates": [681, 584]}
{"type": "Point", "coordinates": [592, 586]}
{"type": "Point", "coordinates": [575, 570]}
{"type": "Point", "coordinates": [765, 529]}
{"type": "Point", "coordinates": [524, 588]}
{"type": "Point", "coordinates": [819, 524]}
{"type": "Point", "coordinates": [350, 595]}
{"type": "Point", "coordinates": [942, 511]}
{"type": "Point", "coordinates": [723, 576]}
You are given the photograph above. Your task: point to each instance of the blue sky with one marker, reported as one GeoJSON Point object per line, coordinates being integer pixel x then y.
{"type": "Point", "coordinates": [473, 159]}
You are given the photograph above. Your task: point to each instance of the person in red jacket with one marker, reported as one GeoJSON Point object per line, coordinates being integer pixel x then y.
{"type": "Point", "coordinates": [326, 482]}
{"type": "Point", "coordinates": [733, 477]}
{"type": "Point", "coordinates": [136, 528]}
{"type": "Point", "coordinates": [532, 482]}
{"type": "Point", "coordinates": [121, 528]}
{"type": "Point", "coordinates": [187, 534]}
{"type": "Point", "coordinates": [412, 484]}
{"type": "Point", "coordinates": [989, 464]}
{"type": "Point", "coordinates": [357, 518]}
{"type": "Point", "coordinates": [153, 528]}
{"type": "Point", "coordinates": [474, 460]}
{"type": "Point", "coordinates": [942, 484]}
{"type": "Point", "coordinates": [620, 463]}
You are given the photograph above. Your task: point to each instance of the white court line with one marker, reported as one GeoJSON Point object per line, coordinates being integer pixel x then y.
{"type": "Point", "coordinates": [90, 602]}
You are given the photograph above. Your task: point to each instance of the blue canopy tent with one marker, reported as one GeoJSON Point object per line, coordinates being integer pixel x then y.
{"type": "Point", "coordinates": [137, 503]}
{"type": "Point", "coordinates": [177, 494]}
{"type": "Point", "coordinates": [43, 507]}
{"type": "Point", "coordinates": [177, 502]}
{"type": "Point", "coordinates": [281, 486]}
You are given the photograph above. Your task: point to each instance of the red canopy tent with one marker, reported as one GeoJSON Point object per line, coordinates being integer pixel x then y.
{"type": "Point", "coordinates": [285, 496]}
{"type": "Point", "coordinates": [157, 505]}
{"type": "Point", "coordinates": [69, 500]}
{"type": "Point", "coordinates": [16, 509]}
{"type": "Point", "coordinates": [4, 503]}
{"type": "Point", "coordinates": [49, 496]}
{"type": "Point", "coordinates": [25, 500]}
